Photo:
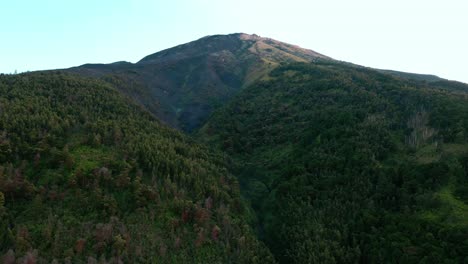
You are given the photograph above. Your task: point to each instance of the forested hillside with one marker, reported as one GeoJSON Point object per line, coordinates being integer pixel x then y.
{"type": "Point", "coordinates": [293, 157]}
{"type": "Point", "coordinates": [87, 176]}
{"type": "Point", "coordinates": [349, 165]}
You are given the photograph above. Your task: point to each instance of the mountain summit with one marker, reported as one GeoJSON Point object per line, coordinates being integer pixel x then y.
{"type": "Point", "coordinates": [267, 49]}
{"type": "Point", "coordinates": [184, 84]}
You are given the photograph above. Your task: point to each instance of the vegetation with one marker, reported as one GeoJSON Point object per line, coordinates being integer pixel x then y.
{"type": "Point", "coordinates": [345, 164]}
{"type": "Point", "coordinates": [88, 176]}
{"type": "Point", "coordinates": [337, 163]}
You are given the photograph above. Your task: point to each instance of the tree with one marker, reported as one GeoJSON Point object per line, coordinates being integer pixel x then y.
{"type": "Point", "coordinates": [2, 199]}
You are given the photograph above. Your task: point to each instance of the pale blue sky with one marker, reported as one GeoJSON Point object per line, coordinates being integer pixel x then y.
{"type": "Point", "coordinates": [410, 35]}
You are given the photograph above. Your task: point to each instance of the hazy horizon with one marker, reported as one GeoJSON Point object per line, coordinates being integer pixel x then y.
{"type": "Point", "coordinates": [420, 37]}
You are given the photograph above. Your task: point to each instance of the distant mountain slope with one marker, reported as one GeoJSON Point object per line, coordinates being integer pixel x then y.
{"type": "Point", "coordinates": [346, 164]}
{"type": "Point", "coordinates": [184, 84]}
{"type": "Point", "coordinates": [86, 176]}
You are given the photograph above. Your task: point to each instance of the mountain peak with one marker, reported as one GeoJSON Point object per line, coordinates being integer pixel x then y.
{"type": "Point", "coordinates": [245, 36]}
{"type": "Point", "coordinates": [240, 35]}
{"type": "Point", "coordinates": [238, 44]}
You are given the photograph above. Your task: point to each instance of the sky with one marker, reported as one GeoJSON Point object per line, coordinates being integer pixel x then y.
{"type": "Point", "coordinates": [417, 36]}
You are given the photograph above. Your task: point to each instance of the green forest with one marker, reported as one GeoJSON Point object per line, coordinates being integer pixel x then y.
{"type": "Point", "coordinates": [322, 162]}
{"type": "Point", "coordinates": [344, 164]}
{"type": "Point", "coordinates": [87, 176]}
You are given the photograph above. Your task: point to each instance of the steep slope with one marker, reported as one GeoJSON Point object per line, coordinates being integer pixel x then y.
{"type": "Point", "coordinates": [87, 175]}
{"type": "Point", "coordinates": [184, 84]}
{"type": "Point", "coordinates": [346, 164]}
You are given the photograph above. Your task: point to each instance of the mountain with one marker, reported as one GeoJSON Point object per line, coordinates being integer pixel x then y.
{"type": "Point", "coordinates": [346, 164]}
{"type": "Point", "coordinates": [291, 157]}
{"type": "Point", "coordinates": [183, 85]}
{"type": "Point", "coordinates": [88, 175]}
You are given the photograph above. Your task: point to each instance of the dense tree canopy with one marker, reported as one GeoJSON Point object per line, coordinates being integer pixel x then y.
{"type": "Point", "coordinates": [345, 164]}
{"type": "Point", "coordinates": [338, 163]}
{"type": "Point", "coordinates": [86, 175]}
